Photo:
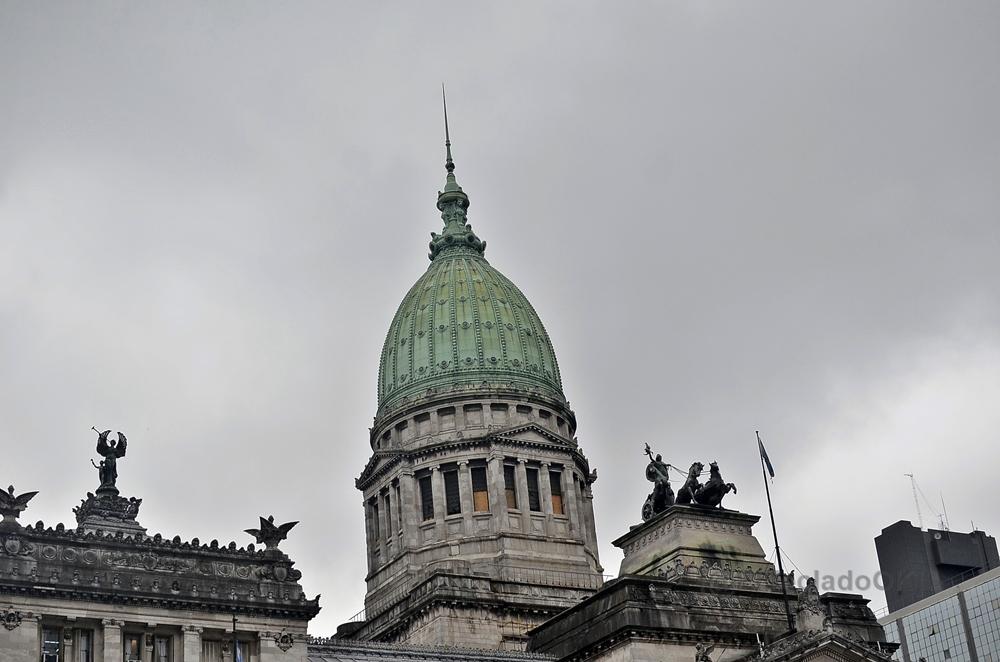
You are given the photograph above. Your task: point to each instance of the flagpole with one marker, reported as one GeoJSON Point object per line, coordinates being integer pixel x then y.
{"type": "Point", "coordinates": [774, 530]}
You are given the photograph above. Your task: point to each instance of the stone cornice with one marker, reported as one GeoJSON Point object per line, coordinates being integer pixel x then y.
{"type": "Point", "coordinates": [320, 646]}
{"type": "Point", "coordinates": [375, 468]}
{"type": "Point", "coordinates": [299, 609]}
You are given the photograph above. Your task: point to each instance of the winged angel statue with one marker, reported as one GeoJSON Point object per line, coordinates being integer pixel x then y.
{"type": "Point", "coordinates": [110, 451]}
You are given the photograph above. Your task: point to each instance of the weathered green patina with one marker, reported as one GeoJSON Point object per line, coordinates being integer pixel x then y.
{"type": "Point", "coordinates": [463, 325]}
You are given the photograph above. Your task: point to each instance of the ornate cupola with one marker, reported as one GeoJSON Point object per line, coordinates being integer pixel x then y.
{"type": "Point", "coordinates": [477, 496]}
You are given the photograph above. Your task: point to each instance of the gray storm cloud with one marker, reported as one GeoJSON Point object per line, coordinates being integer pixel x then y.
{"type": "Point", "coordinates": [729, 216]}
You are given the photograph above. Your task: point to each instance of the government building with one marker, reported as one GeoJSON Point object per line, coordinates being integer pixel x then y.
{"type": "Point", "coordinates": [480, 535]}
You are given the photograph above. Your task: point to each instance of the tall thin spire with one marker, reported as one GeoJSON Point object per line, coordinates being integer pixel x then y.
{"type": "Point", "coordinates": [449, 164]}
{"type": "Point", "coordinates": [453, 204]}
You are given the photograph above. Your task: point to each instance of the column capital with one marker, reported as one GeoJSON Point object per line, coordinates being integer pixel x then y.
{"type": "Point", "coordinates": [545, 465]}
{"type": "Point", "coordinates": [522, 460]}
{"type": "Point", "coordinates": [191, 629]}
{"type": "Point", "coordinates": [435, 468]}
{"type": "Point", "coordinates": [463, 463]}
{"type": "Point", "coordinates": [111, 623]}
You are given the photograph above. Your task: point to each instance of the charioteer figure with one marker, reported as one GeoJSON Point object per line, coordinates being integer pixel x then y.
{"type": "Point", "coordinates": [662, 496]}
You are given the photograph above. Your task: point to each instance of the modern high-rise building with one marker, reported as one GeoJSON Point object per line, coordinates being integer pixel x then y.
{"type": "Point", "coordinates": [917, 564]}
{"type": "Point", "coordinates": [960, 623]}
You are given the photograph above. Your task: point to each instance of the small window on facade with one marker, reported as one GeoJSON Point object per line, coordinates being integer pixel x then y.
{"type": "Point", "coordinates": [499, 414]}
{"type": "Point", "coordinates": [161, 649]}
{"type": "Point", "coordinates": [452, 500]}
{"type": "Point", "coordinates": [473, 415]}
{"type": "Point", "coordinates": [387, 506]}
{"type": "Point", "coordinates": [480, 495]}
{"type": "Point", "coordinates": [508, 486]}
{"type": "Point", "coordinates": [211, 650]}
{"type": "Point", "coordinates": [555, 482]}
{"type": "Point", "coordinates": [534, 502]}
{"type": "Point", "coordinates": [133, 648]}
{"type": "Point", "coordinates": [399, 510]}
{"type": "Point", "coordinates": [51, 640]}
{"type": "Point", "coordinates": [376, 529]}
{"type": "Point", "coordinates": [446, 418]}
{"type": "Point", "coordinates": [426, 498]}
{"type": "Point", "coordinates": [423, 422]}
{"type": "Point", "coordinates": [86, 653]}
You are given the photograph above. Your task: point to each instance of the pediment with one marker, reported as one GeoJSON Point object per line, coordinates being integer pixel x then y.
{"type": "Point", "coordinates": [530, 433]}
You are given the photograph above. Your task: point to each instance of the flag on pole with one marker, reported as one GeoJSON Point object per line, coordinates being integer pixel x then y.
{"type": "Point", "coordinates": [763, 456]}
{"type": "Point", "coordinates": [239, 653]}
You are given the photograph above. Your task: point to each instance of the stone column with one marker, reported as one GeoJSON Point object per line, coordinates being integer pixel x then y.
{"type": "Point", "coordinates": [192, 644]}
{"type": "Point", "coordinates": [545, 495]}
{"type": "Point", "coordinates": [437, 487]}
{"type": "Point", "coordinates": [67, 643]}
{"type": "Point", "coordinates": [411, 518]}
{"type": "Point", "coordinates": [498, 499]}
{"type": "Point", "coordinates": [384, 526]}
{"type": "Point", "coordinates": [370, 541]}
{"type": "Point", "coordinates": [569, 499]}
{"type": "Point", "coordinates": [113, 640]}
{"type": "Point", "coordinates": [465, 495]}
{"type": "Point", "coordinates": [590, 535]}
{"type": "Point", "coordinates": [521, 485]}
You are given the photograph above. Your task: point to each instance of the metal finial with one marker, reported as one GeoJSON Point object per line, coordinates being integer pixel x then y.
{"type": "Point", "coordinates": [448, 164]}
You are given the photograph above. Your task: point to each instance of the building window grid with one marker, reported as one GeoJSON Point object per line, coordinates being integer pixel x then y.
{"type": "Point", "coordinates": [892, 637]}
{"type": "Point", "coordinates": [937, 633]}
{"type": "Point", "coordinates": [983, 604]}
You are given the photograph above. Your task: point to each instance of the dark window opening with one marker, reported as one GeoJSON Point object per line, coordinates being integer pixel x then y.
{"type": "Point", "coordinates": [387, 505]}
{"type": "Point", "coordinates": [133, 648]}
{"type": "Point", "coordinates": [161, 650]}
{"type": "Point", "coordinates": [86, 646]}
{"type": "Point", "coordinates": [480, 495]}
{"type": "Point", "coordinates": [51, 640]}
{"type": "Point", "coordinates": [508, 486]}
{"type": "Point", "coordinates": [534, 502]}
{"type": "Point", "coordinates": [426, 498]}
{"type": "Point", "coordinates": [555, 481]}
{"type": "Point", "coordinates": [452, 500]}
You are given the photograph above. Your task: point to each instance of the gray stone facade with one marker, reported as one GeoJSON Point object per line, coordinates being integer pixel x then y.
{"type": "Point", "coordinates": [94, 595]}
{"type": "Point", "coordinates": [695, 586]}
{"type": "Point", "coordinates": [480, 521]}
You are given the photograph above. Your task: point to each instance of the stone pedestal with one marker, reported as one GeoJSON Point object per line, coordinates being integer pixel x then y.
{"type": "Point", "coordinates": [108, 512]}
{"type": "Point", "coordinates": [696, 586]}
{"type": "Point", "coordinates": [696, 542]}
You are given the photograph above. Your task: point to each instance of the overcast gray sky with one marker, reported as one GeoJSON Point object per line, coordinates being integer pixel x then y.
{"type": "Point", "coordinates": [730, 216]}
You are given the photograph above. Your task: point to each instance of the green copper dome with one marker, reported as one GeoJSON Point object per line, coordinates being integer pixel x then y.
{"type": "Point", "coordinates": [463, 325]}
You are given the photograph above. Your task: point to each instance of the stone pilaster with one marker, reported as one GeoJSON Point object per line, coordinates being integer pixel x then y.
{"type": "Point", "coordinates": [569, 500]}
{"type": "Point", "coordinates": [113, 640]}
{"type": "Point", "coordinates": [465, 494]}
{"type": "Point", "coordinates": [191, 650]}
{"type": "Point", "coordinates": [437, 487]}
{"type": "Point", "coordinates": [521, 483]}
{"type": "Point", "coordinates": [545, 495]}
{"type": "Point", "coordinates": [408, 496]}
{"type": "Point", "coordinates": [498, 501]}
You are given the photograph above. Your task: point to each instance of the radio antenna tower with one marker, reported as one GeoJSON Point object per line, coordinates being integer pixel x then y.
{"type": "Point", "coordinates": [916, 501]}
